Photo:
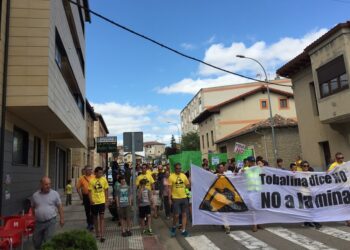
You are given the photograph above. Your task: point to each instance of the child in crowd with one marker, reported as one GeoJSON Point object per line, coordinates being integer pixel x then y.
{"type": "Point", "coordinates": [123, 200]}
{"type": "Point", "coordinates": [98, 195]}
{"type": "Point", "coordinates": [69, 191]}
{"type": "Point", "coordinates": [155, 196]}
{"type": "Point", "coordinates": [144, 196]}
{"type": "Point", "coordinates": [166, 194]}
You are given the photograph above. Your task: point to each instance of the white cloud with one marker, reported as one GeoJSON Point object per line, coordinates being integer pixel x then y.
{"type": "Point", "coordinates": [172, 112]}
{"type": "Point", "coordinates": [271, 56]}
{"type": "Point", "coordinates": [121, 118]}
{"type": "Point", "coordinates": [188, 46]}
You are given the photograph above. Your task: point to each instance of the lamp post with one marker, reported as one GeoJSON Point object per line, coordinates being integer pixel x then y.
{"type": "Point", "coordinates": [178, 130]}
{"type": "Point", "coordinates": [272, 123]}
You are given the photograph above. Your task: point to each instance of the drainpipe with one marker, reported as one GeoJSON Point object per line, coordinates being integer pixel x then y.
{"type": "Point", "coordinates": [4, 94]}
{"type": "Point", "coordinates": [264, 139]}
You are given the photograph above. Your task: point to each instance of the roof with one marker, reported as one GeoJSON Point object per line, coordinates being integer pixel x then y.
{"type": "Point", "coordinates": [279, 122]}
{"type": "Point", "coordinates": [234, 86]}
{"type": "Point", "coordinates": [90, 110]}
{"type": "Point", "coordinates": [152, 143]}
{"type": "Point", "coordinates": [302, 60]}
{"type": "Point", "coordinates": [100, 117]}
{"type": "Point", "coordinates": [216, 109]}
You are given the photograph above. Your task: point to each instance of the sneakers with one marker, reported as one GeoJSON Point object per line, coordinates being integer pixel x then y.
{"type": "Point", "coordinates": [144, 231]}
{"type": "Point", "coordinates": [124, 234]}
{"type": "Point", "coordinates": [128, 233]}
{"type": "Point", "coordinates": [227, 230]}
{"type": "Point", "coordinates": [149, 232]}
{"type": "Point", "coordinates": [185, 234]}
{"type": "Point", "coordinates": [173, 232]}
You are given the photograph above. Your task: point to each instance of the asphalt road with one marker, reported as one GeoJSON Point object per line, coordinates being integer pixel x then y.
{"type": "Point", "coordinates": [285, 236]}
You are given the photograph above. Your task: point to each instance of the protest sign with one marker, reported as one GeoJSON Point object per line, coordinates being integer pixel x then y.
{"type": "Point", "coordinates": [239, 148]}
{"type": "Point", "coordinates": [270, 195]}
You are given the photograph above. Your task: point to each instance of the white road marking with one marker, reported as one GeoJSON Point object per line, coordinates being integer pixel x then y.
{"type": "Point", "coordinates": [335, 233]}
{"type": "Point", "coordinates": [298, 239]}
{"type": "Point", "coordinates": [249, 241]}
{"type": "Point", "coordinates": [201, 243]}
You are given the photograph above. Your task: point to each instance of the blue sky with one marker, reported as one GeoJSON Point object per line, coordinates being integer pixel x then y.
{"type": "Point", "coordinates": [138, 86]}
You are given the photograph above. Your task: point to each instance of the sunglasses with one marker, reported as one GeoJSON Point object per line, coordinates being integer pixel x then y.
{"type": "Point", "coordinates": [340, 158]}
{"type": "Point", "coordinates": [305, 165]}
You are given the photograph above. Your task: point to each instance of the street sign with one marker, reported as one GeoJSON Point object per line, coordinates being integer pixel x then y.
{"type": "Point", "coordinates": [127, 141]}
{"type": "Point", "coordinates": [106, 144]}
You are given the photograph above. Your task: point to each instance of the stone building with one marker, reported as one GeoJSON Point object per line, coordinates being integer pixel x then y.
{"type": "Point", "coordinates": [258, 137]}
{"type": "Point", "coordinates": [320, 78]}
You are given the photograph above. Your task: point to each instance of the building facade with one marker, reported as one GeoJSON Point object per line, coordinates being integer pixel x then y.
{"type": "Point", "coordinates": [226, 118]}
{"type": "Point", "coordinates": [320, 78]}
{"type": "Point", "coordinates": [209, 97]}
{"type": "Point", "coordinates": [100, 130]}
{"type": "Point", "coordinates": [82, 157]}
{"type": "Point", "coordinates": [153, 150]}
{"type": "Point", "coordinates": [45, 95]}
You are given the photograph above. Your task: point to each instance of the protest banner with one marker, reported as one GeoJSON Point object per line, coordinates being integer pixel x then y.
{"type": "Point", "coordinates": [270, 195]}
{"type": "Point", "coordinates": [239, 148]}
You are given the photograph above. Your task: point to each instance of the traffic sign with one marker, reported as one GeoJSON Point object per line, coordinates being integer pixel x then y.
{"type": "Point", "coordinates": [106, 144]}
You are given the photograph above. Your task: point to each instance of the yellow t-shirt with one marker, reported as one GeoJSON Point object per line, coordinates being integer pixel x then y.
{"type": "Point", "coordinates": [69, 189]}
{"type": "Point", "coordinates": [334, 165]}
{"type": "Point", "coordinates": [149, 179]}
{"type": "Point", "coordinates": [97, 188]}
{"type": "Point", "coordinates": [178, 185]}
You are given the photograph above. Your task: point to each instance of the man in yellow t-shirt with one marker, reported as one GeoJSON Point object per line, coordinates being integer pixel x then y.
{"type": "Point", "coordinates": [145, 176]}
{"type": "Point", "coordinates": [98, 194]}
{"type": "Point", "coordinates": [339, 160]}
{"type": "Point", "coordinates": [178, 183]}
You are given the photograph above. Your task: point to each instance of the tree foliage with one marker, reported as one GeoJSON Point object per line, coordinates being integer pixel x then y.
{"type": "Point", "coordinates": [190, 142]}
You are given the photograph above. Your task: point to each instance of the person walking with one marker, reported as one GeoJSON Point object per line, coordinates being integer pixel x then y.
{"type": "Point", "coordinates": [147, 176]}
{"type": "Point", "coordinates": [46, 203]}
{"type": "Point", "coordinates": [144, 196]}
{"type": "Point", "coordinates": [83, 191]}
{"type": "Point", "coordinates": [178, 182]}
{"type": "Point", "coordinates": [166, 194]}
{"type": "Point", "coordinates": [123, 201]}
{"type": "Point", "coordinates": [68, 192]}
{"type": "Point", "coordinates": [98, 195]}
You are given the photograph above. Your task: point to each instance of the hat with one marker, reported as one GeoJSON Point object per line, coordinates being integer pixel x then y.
{"type": "Point", "coordinates": [251, 158]}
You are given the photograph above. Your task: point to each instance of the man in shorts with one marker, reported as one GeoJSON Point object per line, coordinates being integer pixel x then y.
{"type": "Point", "coordinates": [98, 194]}
{"type": "Point", "coordinates": [178, 182]}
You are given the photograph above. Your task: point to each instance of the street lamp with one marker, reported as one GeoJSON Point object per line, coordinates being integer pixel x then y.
{"type": "Point", "coordinates": [272, 123]}
{"type": "Point", "coordinates": [178, 129]}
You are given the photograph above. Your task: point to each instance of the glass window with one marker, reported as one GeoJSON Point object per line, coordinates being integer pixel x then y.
{"type": "Point", "coordinates": [263, 104]}
{"type": "Point", "coordinates": [325, 89]}
{"type": "Point", "coordinates": [37, 152]}
{"type": "Point", "coordinates": [334, 84]}
{"type": "Point", "coordinates": [284, 103]}
{"type": "Point", "coordinates": [343, 80]}
{"type": "Point", "coordinates": [20, 146]}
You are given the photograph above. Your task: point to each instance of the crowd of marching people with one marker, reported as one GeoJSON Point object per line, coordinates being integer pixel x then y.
{"type": "Point", "coordinates": [161, 189]}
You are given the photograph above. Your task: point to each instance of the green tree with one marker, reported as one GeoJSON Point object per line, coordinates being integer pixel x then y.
{"type": "Point", "coordinates": [172, 150]}
{"type": "Point", "coordinates": [190, 142]}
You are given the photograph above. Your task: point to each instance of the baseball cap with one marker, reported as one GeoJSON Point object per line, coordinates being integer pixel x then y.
{"type": "Point", "coordinates": [251, 158]}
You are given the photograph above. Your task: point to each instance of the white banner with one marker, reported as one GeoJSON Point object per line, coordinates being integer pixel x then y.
{"type": "Point", "coordinates": [269, 195]}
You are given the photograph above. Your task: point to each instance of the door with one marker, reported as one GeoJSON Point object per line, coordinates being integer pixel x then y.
{"type": "Point", "coordinates": [61, 167]}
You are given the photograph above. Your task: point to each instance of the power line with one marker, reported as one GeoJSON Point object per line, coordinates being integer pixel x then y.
{"type": "Point", "coordinates": [167, 47]}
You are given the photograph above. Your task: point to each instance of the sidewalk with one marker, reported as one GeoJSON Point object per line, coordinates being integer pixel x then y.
{"type": "Point", "coordinates": [75, 219]}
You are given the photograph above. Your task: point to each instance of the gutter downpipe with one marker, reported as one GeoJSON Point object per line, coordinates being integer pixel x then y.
{"type": "Point", "coordinates": [4, 95]}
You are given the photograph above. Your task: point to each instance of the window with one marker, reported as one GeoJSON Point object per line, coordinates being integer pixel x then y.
{"type": "Point", "coordinates": [313, 98]}
{"type": "Point", "coordinates": [332, 77]}
{"type": "Point", "coordinates": [207, 140]}
{"type": "Point", "coordinates": [65, 67]}
{"type": "Point", "coordinates": [263, 104]}
{"type": "Point", "coordinates": [203, 141]}
{"type": "Point", "coordinates": [37, 152]}
{"type": "Point", "coordinates": [20, 146]}
{"type": "Point", "coordinates": [212, 138]}
{"type": "Point", "coordinates": [284, 103]}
